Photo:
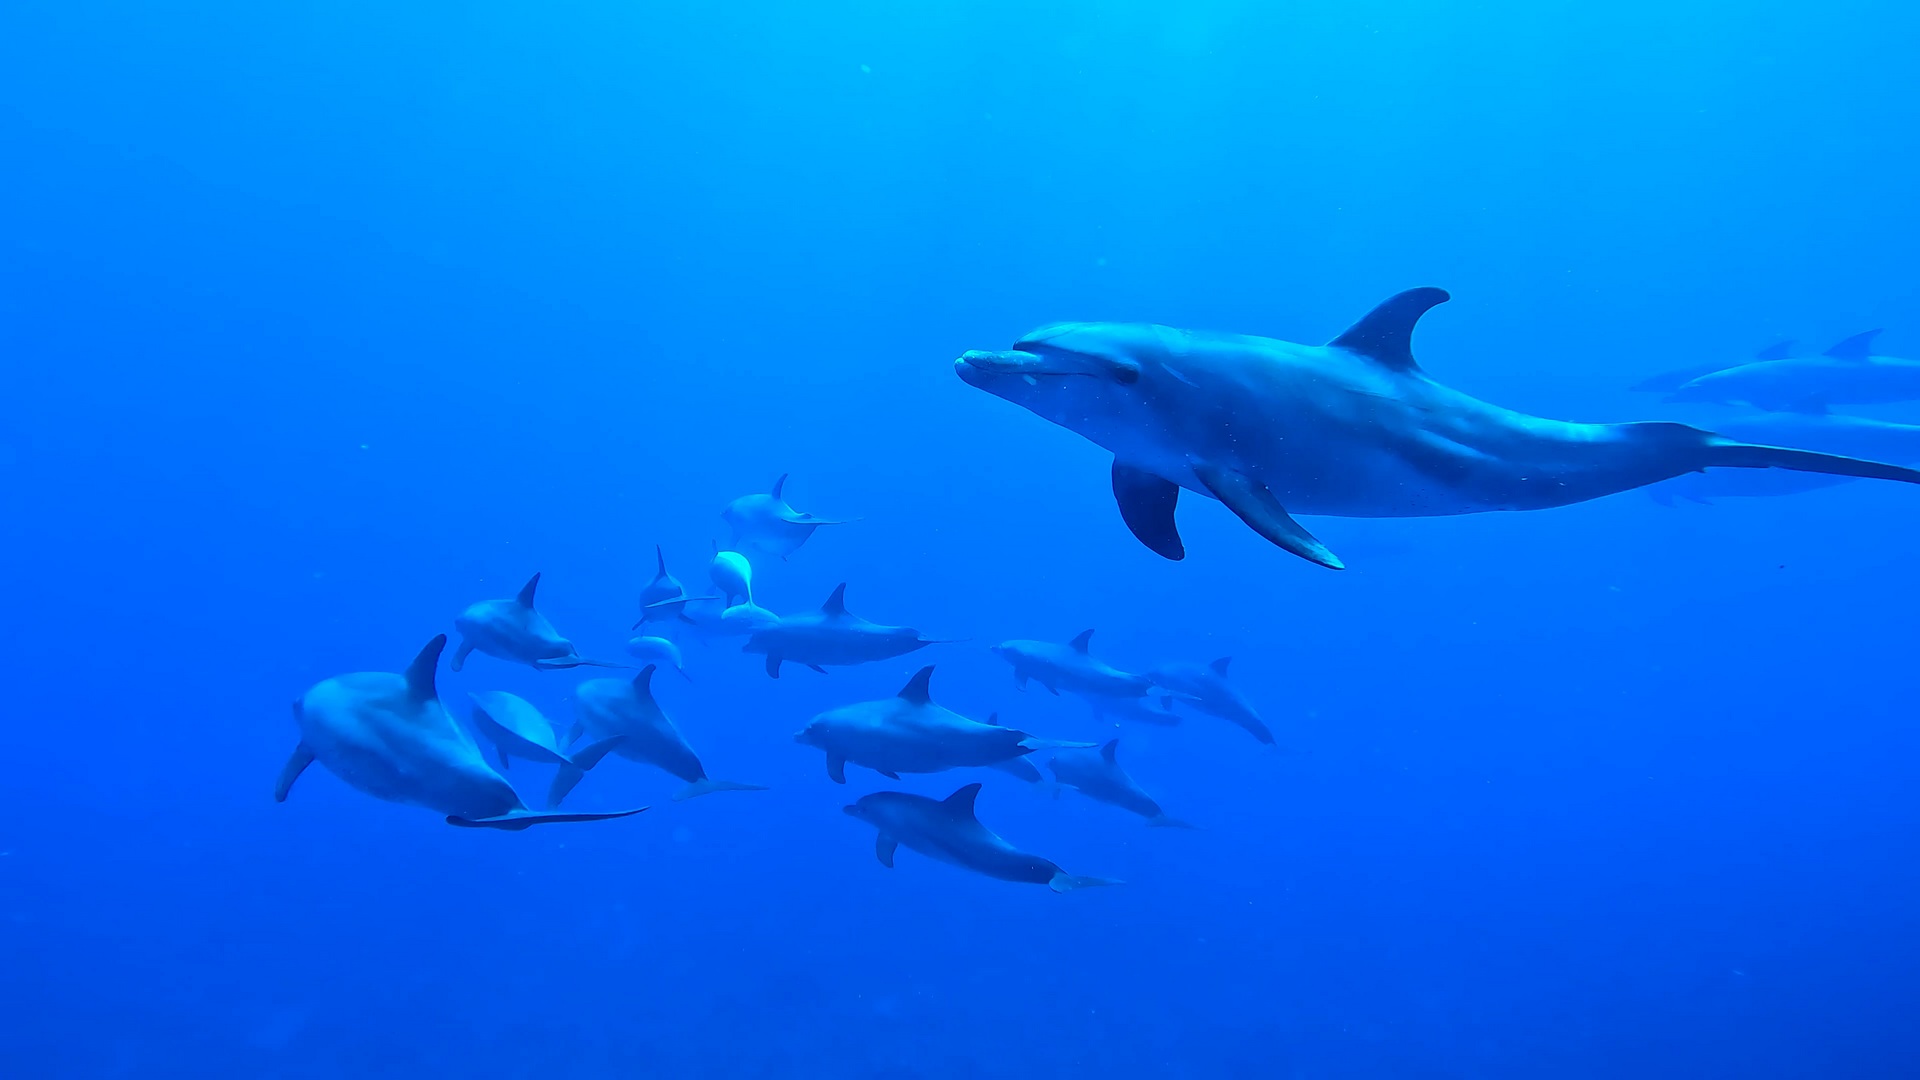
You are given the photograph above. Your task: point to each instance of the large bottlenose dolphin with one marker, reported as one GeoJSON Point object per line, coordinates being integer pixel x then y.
{"type": "Point", "coordinates": [512, 629]}
{"type": "Point", "coordinates": [388, 735]}
{"type": "Point", "coordinates": [1353, 428]}
{"type": "Point", "coordinates": [1814, 429]}
{"type": "Point", "coordinates": [909, 733]}
{"type": "Point", "coordinates": [1669, 381]}
{"type": "Point", "coordinates": [1847, 374]}
{"type": "Point", "coordinates": [1205, 687]}
{"type": "Point", "coordinates": [832, 637]}
{"type": "Point", "coordinates": [1097, 775]}
{"type": "Point", "coordinates": [947, 830]}
{"type": "Point", "coordinates": [1069, 667]}
{"type": "Point", "coordinates": [616, 707]}
{"type": "Point", "coordinates": [766, 523]}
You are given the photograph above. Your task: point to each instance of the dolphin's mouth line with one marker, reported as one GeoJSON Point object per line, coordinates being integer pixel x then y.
{"type": "Point", "coordinates": [1050, 363]}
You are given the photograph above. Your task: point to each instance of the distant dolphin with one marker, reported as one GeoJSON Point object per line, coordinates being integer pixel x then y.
{"type": "Point", "coordinates": [1097, 774]}
{"type": "Point", "coordinates": [947, 830]}
{"type": "Point", "coordinates": [909, 733]}
{"type": "Point", "coordinates": [1353, 428]}
{"type": "Point", "coordinates": [832, 637]}
{"type": "Point", "coordinates": [610, 707]}
{"type": "Point", "coordinates": [766, 523]}
{"type": "Point", "coordinates": [1207, 688]}
{"type": "Point", "coordinates": [518, 729]}
{"type": "Point", "coordinates": [513, 630]}
{"type": "Point", "coordinates": [664, 600]}
{"type": "Point", "coordinates": [1669, 381]}
{"type": "Point", "coordinates": [1069, 667]}
{"type": "Point", "coordinates": [1813, 429]}
{"type": "Point", "coordinates": [658, 650]}
{"type": "Point", "coordinates": [1156, 710]}
{"type": "Point", "coordinates": [389, 736]}
{"type": "Point", "coordinates": [1847, 374]}
{"type": "Point", "coordinates": [732, 574]}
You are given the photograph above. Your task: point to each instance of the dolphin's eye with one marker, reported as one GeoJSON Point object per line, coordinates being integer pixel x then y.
{"type": "Point", "coordinates": [1126, 373]}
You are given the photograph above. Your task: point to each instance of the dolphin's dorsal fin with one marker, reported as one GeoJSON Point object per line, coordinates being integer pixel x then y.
{"type": "Point", "coordinates": [961, 802]}
{"type": "Point", "coordinates": [659, 561]}
{"type": "Point", "coordinates": [778, 486]}
{"type": "Point", "coordinates": [643, 682]}
{"type": "Point", "coordinates": [837, 603]}
{"type": "Point", "coordinates": [419, 674]}
{"type": "Point", "coordinates": [525, 599]}
{"type": "Point", "coordinates": [1857, 347]}
{"type": "Point", "coordinates": [993, 719]}
{"type": "Point", "coordinates": [1219, 667]}
{"type": "Point", "coordinates": [1080, 643]}
{"type": "Point", "coordinates": [1385, 334]}
{"type": "Point", "coordinates": [1107, 750]}
{"type": "Point", "coordinates": [915, 692]}
{"type": "Point", "coordinates": [1779, 350]}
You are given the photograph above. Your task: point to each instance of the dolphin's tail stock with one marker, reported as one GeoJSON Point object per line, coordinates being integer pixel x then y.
{"type": "Point", "coordinates": [1065, 882]}
{"type": "Point", "coordinates": [575, 768]}
{"type": "Point", "coordinates": [1727, 453]}
{"type": "Point", "coordinates": [706, 786]}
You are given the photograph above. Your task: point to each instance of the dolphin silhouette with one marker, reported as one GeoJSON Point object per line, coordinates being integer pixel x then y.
{"type": "Point", "coordinates": [1205, 687]}
{"type": "Point", "coordinates": [832, 636]}
{"type": "Point", "coordinates": [766, 523]}
{"type": "Point", "coordinates": [514, 630]}
{"type": "Point", "coordinates": [1848, 373]}
{"type": "Point", "coordinates": [1097, 775]}
{"type": "Point", "coordinates": [947, 830]}
{"type": "Point", "coordinates": [617, 707]}
{"type": "Point", "coordinates": [1810, 427]}
{"type": "Point", "coordinates": [1669, 381]}
{"type": "Point", "coordinates": [1070, 667]}
{"type": "Point", "coordinates": [1353, 428]}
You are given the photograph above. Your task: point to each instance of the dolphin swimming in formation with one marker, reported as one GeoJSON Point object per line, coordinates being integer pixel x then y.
{"type": "Point", "coordinates": [947, 830]}
{"type": "Point", "coordinates": [1849, 373]}
{"type": "Point", "coordinates": [909, 733]}
{"type": "Point", "coordinates": [389, 736]}
{"type": "Point", "coordinates": [1069, 667]}
{"type": "Point", "coordinates": [658, 651]}
{"type": "Point", "coordinates": [1097, 775]}
{"type": "Point", "coordinates": [664, 600]}
{"type": "Point", "coordinates": [1353, 428]}
{"type": "Point", "coordinates": [1812, 429]}
{"type": "Point", "coordinates": [519, 730]}
{"type": "Point", "coordinates": [1669, 381]}
{"type": "Point", "coordinates": [732, 574]}
{"type": "Point", "coordinates": [617, 707]}
{"type": "Point", "coordinates": [832, 637]}
{"type": "Point", "coordinates": [766, 523]}
{"type": "Point", "coordinates": [1206, 688]}
{"type": "Point", "coordinates": [514, 630]}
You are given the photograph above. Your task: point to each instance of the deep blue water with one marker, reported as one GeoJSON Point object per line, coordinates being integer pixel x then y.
{"type": "Point", "coordinates": [321, 321]}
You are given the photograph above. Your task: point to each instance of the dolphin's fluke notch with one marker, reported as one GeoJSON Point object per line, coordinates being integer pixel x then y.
{"type": "Point", "coordinates": [522, 819]}
{"type": "Point", "coordinates": [1256, 506]}
{"type": "Point", "coordinates": [1147, 503]}
{"type": "Point", "coordinates": [1064, 882]}
{"type": "Point", "coordinates": [1385, 334]}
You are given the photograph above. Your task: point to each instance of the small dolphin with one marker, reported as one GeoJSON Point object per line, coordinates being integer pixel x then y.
{"type": "Point", "coordinates": [1352, 428]}
{"type": "Point", "coordinates": [1098, 775]}
{"type": "Point", "coordinates": [746, 619]}
{"type": "Point", "coordinates": [1207, 688]}
{"type": "Point", "coordinates": [908, 733]}
{"type": "Point", "coordinates": [663, 600]}
{"type": "Point", "coordinates": [658, 650]}
{"type": "Point", "coordinates": [518, 729]}
{"type": "Point", "coordinates": [513, 630]}
{"type": "Point", "coordinates": [610, 707]}
{"type": "Point", "coordinates": [732, 574]}
{"type": "Point", "coordinates": [1156, 710]}
{"type": "Point", "coordinates": [1810, 428]}
{"type": "Point", "coordinates": [832, 636]}
{"type": "Point", "coordinates": [1069, 667]}
{"type": "Point", "coordinates": [767, 523]}
{"type": "Point", "coordinates": [1847, 374]}
{"type": "Point", "coordinates": [947, 830]}
{"type": "Point", "coordinates": [1668, 381]}
{"type": "Point", "coordinates": [389, 736]}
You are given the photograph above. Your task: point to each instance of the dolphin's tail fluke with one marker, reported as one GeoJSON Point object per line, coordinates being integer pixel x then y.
{"type": "Point", "coordinates": [521, 819]}
{"type": "Point", "coordinates": [1722, 452]}
{"type": "Point", "coordinates": [1065, 882]}
{"type": "Point", "coordinates": [706, 786]}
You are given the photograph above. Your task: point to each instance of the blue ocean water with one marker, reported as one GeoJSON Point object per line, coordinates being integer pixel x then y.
{"type": "Point", "coordinates": [323, 321]}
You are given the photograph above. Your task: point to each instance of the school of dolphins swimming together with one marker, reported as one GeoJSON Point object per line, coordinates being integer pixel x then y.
{"type": "Point", "coordinates": [1269, 428]}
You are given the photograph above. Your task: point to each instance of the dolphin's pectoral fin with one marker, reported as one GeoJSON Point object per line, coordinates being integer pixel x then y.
{"type": "Point", "coordinates": [296, 764]}
{"type": "Point", "coordinates": [515, 820]}
{"type": "Point", "coordinates": [460, 655]}
{"type": "Point", "coordinates": [1146, 505]}
{"type": "Point", "coordinates": [836, 769]}
{"type": "Point", "coordinates": [818, 668]}
{"type": "Point", "coordinates": [773, 666]}
{"type": "Point", "coordinates": [563, 784]}
{"type": "Point", "coordinates": [1019, 679]}
{"type": "Point", "coordinates": [1263, 513]}
{"type": "Point", "coordinates": [500, 754]}
{"type": "Point", "coordinates": [884, 847]}
{"type": "Point", "coordinates": [888, 773]}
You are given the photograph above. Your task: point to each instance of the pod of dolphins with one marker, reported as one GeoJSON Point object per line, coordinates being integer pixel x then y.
{"type": "Point", "coordinates": [1267, 428]}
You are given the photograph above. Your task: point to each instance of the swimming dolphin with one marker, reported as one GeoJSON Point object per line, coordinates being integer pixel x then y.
{"type": "Point", "coordinates": [947, 830]}
{"type": "Point", "coordinates": [832, 637]}
{"type": "Point", "coordinates": [1069, 667]}
{"type": "Point", "coordinates": [1812, 429]}
{"type": "Point", "coordinates": [658, 650]}
{"type": "Point", "coordinates": [610, 707]}
{"type": "Point", "coordinates": [1206, 687]}
{"type": "Point", "coordinates": [1668, 381]}
{"type": "Point", "coordinates": [517, 729]}
{"type": "Point", "coordinates": [746, 619]}
{"type": "Point", "coordinates": [389, 736]}
{"type": "Point", "coordinates": [664, 599]}
{"type": "Point", "coordinates": [1153, 709]}
{"type": "Point", "coordinates": [1097, 774]}
{"type": "Point", "coordinates": [767, 523]}
{"type": "Point", "coordinates": [909, 733]}
{"type": "Point", "coordinates": [1847, 374]}
{"type": "Point", "coordinates": [514, 630]}
{"type": "Point", "coordinates": [732, 574]}
{"type": "Point", "coordinates": [1353, 428]}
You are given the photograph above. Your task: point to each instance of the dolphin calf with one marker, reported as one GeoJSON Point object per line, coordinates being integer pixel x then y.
{"type": "Point", "coordinates": [617, 707]}
{"type": "Point", "coordinates": [766, 523]}
{"type": "Point", "coordinates": [1813, 429]}
{"type": "Point", "coordinates": [732, 574]}
{"type": "Point", "coordinates": [1353, 428]}
{"type": "Point", "coordinates": [389, 736]}
{"type": "Point", "coordinates": [1097, 774]}
{"type": "Point", "coordinates": [947, 830]}
{"type": "Point", "coordinates": [1849, 373]}
{"type": "Point", "coordinates": [1669, 381]}
{"type": "Point", "coordinates": [1069, 667]}
{"type": "Point", "coordinates": [832, 637]}
{"type": "Point", "coordinates": [909, 733]}
{"type": "Point", "coordinates": [1153, 709]}
{"type": "Point", "coordinates": [659, 651]}
{"type": "Point", "coordinates": [518, 729]}
{"type": "Point", "coordinates": [514, 630]}
{"type": "Point", "coordinates": [1206, 687]}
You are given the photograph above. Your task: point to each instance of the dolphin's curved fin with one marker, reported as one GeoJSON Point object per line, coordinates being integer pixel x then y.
{"type": "Point", "coordinates": [1107, 751]}
{"type": "Point", "coordinates": [1081, 641]}
{"type": "Point", "coordinates": [1021, 768]}
{"type": "Point", "coordinates": [779, 486]}
{"type": "Point", "coordinates": [916, 692]}
{"type": "Point", "coordinates": [419, 674]}
{"type": "Point", "coordinates": [590, 755]}
{"type": "Point", "coordinates": [296, 764]}
{"type": "Point", "coordinates": [888, 773]}
{"type": "Point", "coordinates": [773, 665]}
{"type": "Point", "coordinates": [1779, 350]}
{"type": "Point", "coordinates": [1385, 334]}
{"type": "Point", "coordinates": [643, 682]}
{"type": "Point", "coordinates": [992, 720]}
{"type": "Point", "coordinates": [1147, 503]}
{"type": "Point", "coordinates": [1065, 882]}
{"type": "Point", "coordinates": [515, 820]}
{"type": "Point", "coordinates": [1219, 667]}
{"type": "Point", "coordinates": [1857, 347]}
{"type": "Point", "coordinates": [1257, 507]}
{"type": "Point", "coordinates": [883, 848]}
{"type": "Point", "coordinates": [525, 597]}
{"type": "Point", "coordinates": [836, 604]}
{"type": "Point", "coordinates": [961, 802]}
{"type": "Point", "coordinates": [659, 562]}
{"type": "Point", "coordinates": [563, 784]}
{"type": "Point", "coordinates": [705, 786]}
{"type": "Point", "coordinates": [836, 769]}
